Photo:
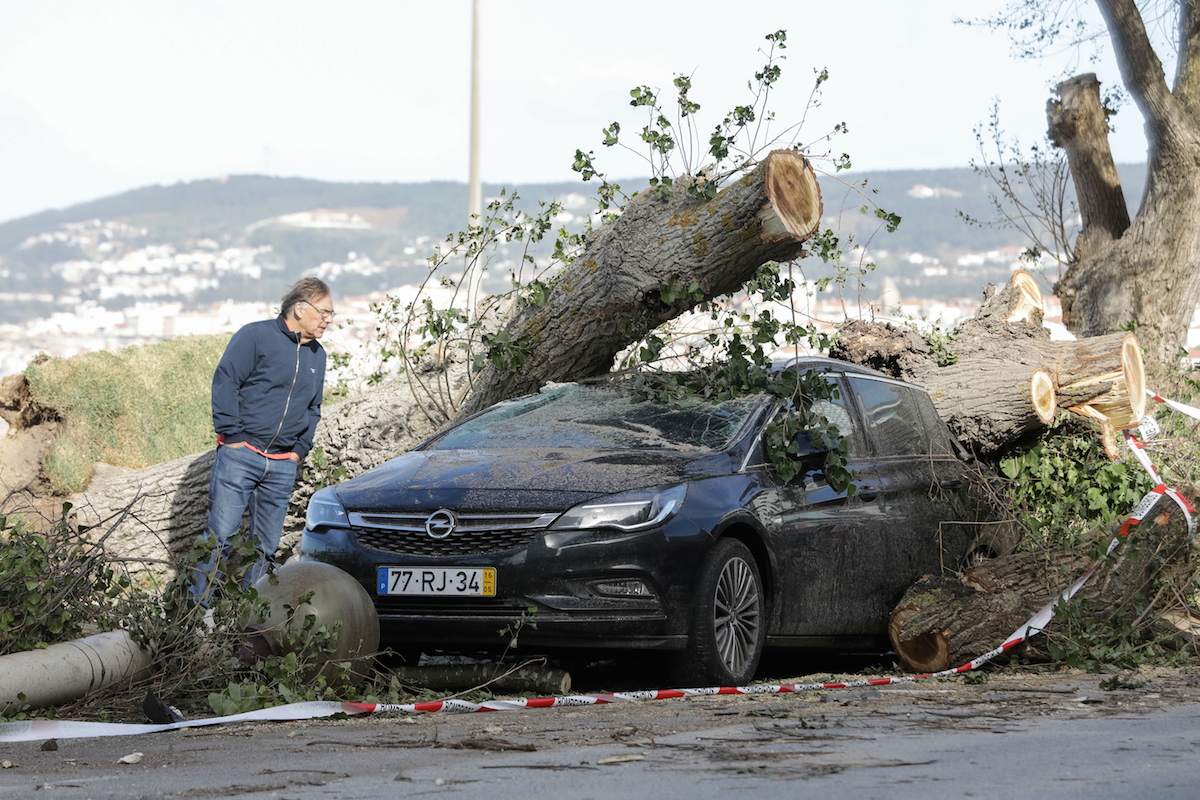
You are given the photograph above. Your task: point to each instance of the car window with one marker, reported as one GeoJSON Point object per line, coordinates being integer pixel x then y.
{"type": "Point", "coordinates": [835, 411]}
{"type": "Point", "coordinates": [939, 435]}
{"type": "Point", "coordinates": [893, 417]}
{"type": "Point", "coordinates": [598, 417]}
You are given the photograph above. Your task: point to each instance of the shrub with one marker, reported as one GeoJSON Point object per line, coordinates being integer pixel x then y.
{"type": "Point", "coordinates": [1065, 485]}
{"type": "Point", "coordinates": [52, 584]}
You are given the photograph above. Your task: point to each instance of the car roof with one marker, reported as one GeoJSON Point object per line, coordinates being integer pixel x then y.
{"type": "Point", "coordinates": [829, 364]}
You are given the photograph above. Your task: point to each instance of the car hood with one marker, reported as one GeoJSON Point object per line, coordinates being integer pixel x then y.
{"type": "Point", "coordinates": [523, 478]}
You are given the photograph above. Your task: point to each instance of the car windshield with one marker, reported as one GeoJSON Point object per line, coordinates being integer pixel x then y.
{"type": "Point", "coordinates": [599, 417]}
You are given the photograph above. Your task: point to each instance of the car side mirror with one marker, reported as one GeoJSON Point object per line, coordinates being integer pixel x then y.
{"type": "Point", "coordinates": [811, 456]}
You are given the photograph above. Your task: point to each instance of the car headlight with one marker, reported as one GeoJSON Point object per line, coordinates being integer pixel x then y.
{"type": "Point", "coordinates": [628, 511]}
{"type": "Point", "coordinates": [325, 510]}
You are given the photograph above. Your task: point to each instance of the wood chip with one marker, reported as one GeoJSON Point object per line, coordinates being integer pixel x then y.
{"type": "Point", "coordinates": [621, 759]}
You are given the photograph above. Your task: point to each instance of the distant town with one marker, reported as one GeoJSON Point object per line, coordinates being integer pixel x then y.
{"type": "Point", "coordinates": [122, 288]}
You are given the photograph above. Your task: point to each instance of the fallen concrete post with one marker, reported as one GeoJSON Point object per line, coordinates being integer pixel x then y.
{"type": "Point", "coordinates": [67, 671]}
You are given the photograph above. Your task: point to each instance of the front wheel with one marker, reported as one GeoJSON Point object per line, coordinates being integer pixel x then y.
{"type": "Point", "coordinates": [728, 630]}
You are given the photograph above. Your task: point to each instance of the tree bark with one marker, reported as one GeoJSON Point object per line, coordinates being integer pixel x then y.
{"type": "Point", "coordinates": [942, 623]}
{"type": "Point", "coordinates": [660, 258]}
{"type": "Point", "coordinates": [1150, 273]}
{"type": "Point", "coordinates": [1008, 378]}
{"type": "Point", "coordinates": [1079, 125]}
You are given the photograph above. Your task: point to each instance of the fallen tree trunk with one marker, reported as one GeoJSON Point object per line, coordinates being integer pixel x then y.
{"type": "Point", "coordinates": [943, 622]}
{"type": "Point", "coordinates": [1008, 379]}
{"type": "Point", "coordinates": [661, 256]}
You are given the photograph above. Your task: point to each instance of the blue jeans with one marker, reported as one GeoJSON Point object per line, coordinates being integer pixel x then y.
{"type": "Point", "coordinates": [241, 479]}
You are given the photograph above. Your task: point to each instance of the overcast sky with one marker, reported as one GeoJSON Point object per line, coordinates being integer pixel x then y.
{"type": "Point", "coordinates": [101, 97]}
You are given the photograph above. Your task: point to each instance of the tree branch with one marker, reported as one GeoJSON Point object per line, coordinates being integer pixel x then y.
{"type": "Point", "coordinates": [1187, 79]}
{"type": "Point", "coordinates": [1141, 69]}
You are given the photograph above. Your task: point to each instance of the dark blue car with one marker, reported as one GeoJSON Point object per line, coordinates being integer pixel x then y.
{"type": "Point", "coordinates": [591, 518]}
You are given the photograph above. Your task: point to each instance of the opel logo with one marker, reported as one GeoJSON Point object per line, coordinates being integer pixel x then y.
{"type": "Point", "coordinates": [441, 524]}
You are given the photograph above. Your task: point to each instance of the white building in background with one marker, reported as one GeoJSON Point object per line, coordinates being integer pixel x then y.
{"type": "Point", "coordinates": [327, 220]}
{"type": "Point", "coordinates": [920, 191]}
{"type": "Point", "coordinates": [321, 219]}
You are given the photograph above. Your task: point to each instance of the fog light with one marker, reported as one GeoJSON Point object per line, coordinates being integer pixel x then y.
{"type": "Point", "coordinates": [622, 588]}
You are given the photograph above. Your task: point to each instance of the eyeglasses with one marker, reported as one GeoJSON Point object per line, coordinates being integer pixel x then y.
{"type": "Point", "coordinates": [327, 314]}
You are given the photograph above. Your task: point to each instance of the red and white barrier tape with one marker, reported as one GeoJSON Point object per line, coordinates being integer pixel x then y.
{"type": "Point", "coordinates": [1150, 430]}
{"type": "Point", "coordinates": [1172, 404]}
{"type": "Point", "coordinates": [32, 730]}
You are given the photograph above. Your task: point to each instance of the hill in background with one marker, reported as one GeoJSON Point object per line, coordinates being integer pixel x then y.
{"type": "Point", "coordinates": [245, 236]}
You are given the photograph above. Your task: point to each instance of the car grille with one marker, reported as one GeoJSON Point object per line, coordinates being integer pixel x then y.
{"type": "Point", "coordinates": [448, 607]}
{"type": "Point", "coordinates": [473, 534]}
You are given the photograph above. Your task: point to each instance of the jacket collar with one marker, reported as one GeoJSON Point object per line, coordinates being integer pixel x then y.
{"type": "Point", "coordinates": [281, 322]}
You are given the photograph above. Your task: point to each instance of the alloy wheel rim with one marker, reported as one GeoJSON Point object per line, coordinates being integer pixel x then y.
{"type": "Point", "coordinates": [737, 615]}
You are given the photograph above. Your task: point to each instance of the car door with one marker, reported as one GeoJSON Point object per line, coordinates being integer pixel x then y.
{"type": "Point", "coordinates": [923, 488]}
{"type": "Point", "coordinates": [823, 535]}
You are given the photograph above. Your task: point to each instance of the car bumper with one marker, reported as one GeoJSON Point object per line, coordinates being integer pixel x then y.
{"type": "Point", "coordinates": [550, 594]}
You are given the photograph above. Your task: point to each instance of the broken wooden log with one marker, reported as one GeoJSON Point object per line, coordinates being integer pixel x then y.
{"type": "Point", "coordinates": [1181, 625]}
{"type": "Point", "coordinates": [945, 621]}
{"type": "Point", "coordinates": [1107, 376]}
{"type": "Point", "coordinates": [663, 255]}
{"type": "Point", "coordinates": [1043, 396]}
{"type": "Point", "coordinates": [1008, 379]}
{"type": "Point", "coordinates": [1018, 301]}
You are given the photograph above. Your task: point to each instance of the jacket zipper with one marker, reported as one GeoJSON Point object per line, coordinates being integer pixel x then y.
{"type": "Point", "coordinates": [288, 403]}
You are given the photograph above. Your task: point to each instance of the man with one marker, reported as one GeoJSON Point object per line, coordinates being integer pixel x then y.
{"type": "Point", "coordinates": [266, 401]}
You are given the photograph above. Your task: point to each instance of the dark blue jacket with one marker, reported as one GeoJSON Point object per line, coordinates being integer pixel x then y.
{"type": "Point", "coordinates": [267, 388]}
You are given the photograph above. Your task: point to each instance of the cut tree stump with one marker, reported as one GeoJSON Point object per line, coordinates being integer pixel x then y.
{"type": "Point", "coordinates": [1078, 123]}
{"type": "Point", "coordinates": [1106, 373]}
{"type": "Point", "coordinates": [943, 622]}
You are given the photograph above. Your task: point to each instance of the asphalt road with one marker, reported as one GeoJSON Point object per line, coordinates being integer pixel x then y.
{"type": "Point", "coordinates": [1053, 735]}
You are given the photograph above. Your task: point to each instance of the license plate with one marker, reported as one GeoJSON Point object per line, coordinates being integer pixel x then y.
{"type": "Point", "coordinates": [437, 581]}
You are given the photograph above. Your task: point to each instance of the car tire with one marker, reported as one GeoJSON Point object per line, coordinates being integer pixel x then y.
{"type": "Point", "coordinates": [729, 620]}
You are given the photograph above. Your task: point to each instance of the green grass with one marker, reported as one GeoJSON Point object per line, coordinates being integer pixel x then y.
{"type": "Point", "coordinates": [134, 408]}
